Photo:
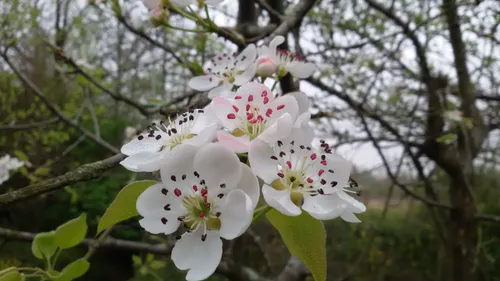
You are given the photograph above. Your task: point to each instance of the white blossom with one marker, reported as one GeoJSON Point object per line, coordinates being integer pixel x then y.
{"type": "Point", "coordinates": [298, 177]}
{"type": "Point", "coordinates": [273, 60]}
{"type": "Point", "coordinates": [225, 72]}
{"type": "Point", "coordinates": [7, 164]}
{"type": "Point", "coordinates": [210, 193]}
{"type": "Point", "coordinates": [255, 113]}
{"type": "Point", "coordinates": [147, 151]}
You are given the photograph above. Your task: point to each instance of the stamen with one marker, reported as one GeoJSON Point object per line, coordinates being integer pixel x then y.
{"type": "Point", "coordinates": [177, 192]}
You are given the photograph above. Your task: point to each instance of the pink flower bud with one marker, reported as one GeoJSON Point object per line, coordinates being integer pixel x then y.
{"type": "Point", "coordinates": [265, 67]}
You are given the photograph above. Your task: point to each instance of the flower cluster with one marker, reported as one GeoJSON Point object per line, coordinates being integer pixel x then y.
{"type": "Point", "coordinates": [210, 159]}
{"type": "Point", "coordinates": [7, 164]}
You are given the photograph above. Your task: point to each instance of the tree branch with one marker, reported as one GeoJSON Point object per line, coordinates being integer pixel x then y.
{"type": "Point", "coordinates": [83, 173]}
{"type": "Point", "coordinates": [79, 70]}
{"type": "Point", "coordinates": [29, 126]}
{"type": "Point", "coordinates": [160, 249]}
{"type": "Point", "coordinates": [291, 19]}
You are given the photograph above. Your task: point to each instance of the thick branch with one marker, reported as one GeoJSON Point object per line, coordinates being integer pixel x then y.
{"type": "Point", "coordinates": [466, 92]}
{"type": "Point", "coordinates": [487, 218]}
{"type": "Point", "coordinates": [82, 173]}
{"type": "Point", "coordinates": [291, 19]}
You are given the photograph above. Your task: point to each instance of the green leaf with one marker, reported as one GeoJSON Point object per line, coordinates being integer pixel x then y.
{"type": "Point", "coordinates": [157, 264]}
{"type": "Point", "coordinates": [123, 207]}
{"type": "Point", "coordinates": [74, 270]}
{"type": "Point", "coordinates": [44, 245]}
{"type": "Point", "coordinates": [11, 276]}
{"type": "Point", "coordinates": [72, 232]}
{"type": "Point", "coordinates": [137, 260]}
{"type": "Point", "coordinates": [305, 238]}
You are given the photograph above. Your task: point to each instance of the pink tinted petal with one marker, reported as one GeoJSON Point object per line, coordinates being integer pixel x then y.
{"type": "Point", "coordinates": [222, 108]}
{"type": "Point", "coordinates": [236, 144]}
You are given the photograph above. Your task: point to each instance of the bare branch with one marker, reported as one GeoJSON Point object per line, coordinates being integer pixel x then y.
{"type": "Point", "coordinates": [34, 125]}
{"type": "Point", "coordinates": [292, 19]}
{"type": "Point", "coordinates": [82, 173]}
{"type": "Point", "coordinates": [160, 249]}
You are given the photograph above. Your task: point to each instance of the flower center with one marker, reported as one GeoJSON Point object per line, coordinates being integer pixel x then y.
{"type": "Point", "coordinates": [299, 170]}
{"type": "Point", "coordinates": [176, 132]}
{"type": "Point", "coordinates": [253, 115]}
{"type": "Point", "coordinates": [200, 212]}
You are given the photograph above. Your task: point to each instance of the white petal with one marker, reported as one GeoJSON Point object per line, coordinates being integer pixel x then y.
{"type": "Point", "coordinates": [222, 108]}
{"type": "Point", "coordinates": [342, 171]}
{"type": "Point", "coordinates": [203, 83]}
{"type": "Point", "coordinates": [200, 257]}
{"type": "Point", "coordinates": [260, 160]}
{"type": "Point", "coordinates": [249, 184]}
{"type": "Point", "coordinates": [302, 101]}
{"type": "Point", "coordinates": [278, 40]}
{"type": "Point", "coordinates": [302, 135]}
{"type": "Point", "coordinates": [246, 76]}
{"type": "Point", "coordinates": [151, 4]}
{"type": "Point", "coordinates": [145, 144]}
{"type": "Point", "coordinates": [155, 225]}
{"type": "Point", "coordinates": [279, 129]}
{"type": "Point", "coordinates": [349, 217]}
{"type": "Point", "coordinates": [217, 165]}
{"type": "Point", "coordinates": [246, 57]}
{"type": "Point", "coordinates": [290, 106]}
{"type": "Point", "coordinates": [352, 204]}
{"type": "Point", "coordinates": [213, 2]}
{"type": "Point", "coordinates": [324, 207]}
{"type": "Point", "coordinates": [152, 202]}
{"type": "Point", "coordinates": [301, 70]}
{"type": "Point", "coordinates": [182, 3]}
{"type": "Point", "coordinates": [179, 162]}
{"type": "Point", "coordinates": [205, 120]}
{"type": "Point", "coordinates": [236, 144]}
{"type": "Point", "coordinates": [146, 161]}
{"type": "Point", "coordinates": [205, 136]}
{"type": "Point", "coordinates": [280, 200]}
{"type": "Point", "coordinates": [236, 214]}
{"type": "Point", "coordinates": [220, 91]}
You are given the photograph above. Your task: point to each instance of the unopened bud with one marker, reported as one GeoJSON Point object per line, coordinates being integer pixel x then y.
{"type": "Point", "coordinates": [159, 16]}
{"type": "Point", "coordinates": [265, 67]}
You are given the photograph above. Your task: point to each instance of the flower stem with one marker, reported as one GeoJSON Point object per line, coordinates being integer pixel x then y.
{"type": "Point", "coordinates": [186, 29]}
{"type": "Point", "coordinates": [274, 85]}
{"type": "Point", "coordinates": [260, 211]}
